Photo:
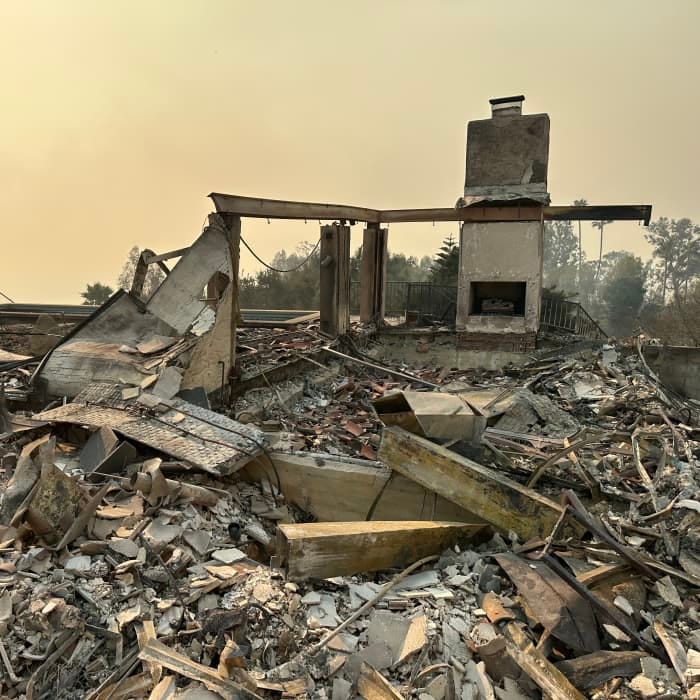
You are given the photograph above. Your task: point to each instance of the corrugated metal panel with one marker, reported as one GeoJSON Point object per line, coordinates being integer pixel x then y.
{"type": "Point", "coordinates": [204, 439]}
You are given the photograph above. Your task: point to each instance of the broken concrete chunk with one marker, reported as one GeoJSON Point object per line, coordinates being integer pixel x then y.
{"type": "Point", "coordinates": [168, 383]}
{"type": "Point", "coordinates": [325, 612]}
{"type": "Point", "coordinates": [643, 686]}
{"type": "Point", "coordinates": [665, 588]}
{"type": "Point", "coordinates": [130, 392]}
{"type": "Point", "coordinates": [159, 533]}
{"type": "Point", "coordinates": [623, 604]}
{"type": "Point", "coordinates": [125, 547]}
{"type": "Point", "coordinates": [78, 565]}
{"type": "Point", "coordinates": [228, 556]}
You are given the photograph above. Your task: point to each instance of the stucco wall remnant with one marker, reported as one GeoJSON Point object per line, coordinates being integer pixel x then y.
{"type": "Point", "coordinates": [500, 252]}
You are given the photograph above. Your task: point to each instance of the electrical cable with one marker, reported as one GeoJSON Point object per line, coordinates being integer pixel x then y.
{"type": "Point", "coordinates": [6, 297]}
{"type": "Point", "coordinates": [275, 269]}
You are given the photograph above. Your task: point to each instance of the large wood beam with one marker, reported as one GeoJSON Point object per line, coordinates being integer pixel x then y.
{"type": "Point", "coordinates": [324, 550]}
{"type": "Point", "coordinates": [335, 280]}
{"type": "Point", "coordinates": [373, 274]}
{"type": "Point", "coordinates": [505, 504]}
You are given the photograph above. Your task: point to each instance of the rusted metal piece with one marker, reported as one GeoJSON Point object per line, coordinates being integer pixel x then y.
{"type": "Point", "coordinates": [558, 607]}
{"type": "Point", "coordinates": [589, 522]}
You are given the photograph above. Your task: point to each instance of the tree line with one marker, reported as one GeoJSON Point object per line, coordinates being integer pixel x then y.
{"type": "Point", "coordinates": [660, 296]}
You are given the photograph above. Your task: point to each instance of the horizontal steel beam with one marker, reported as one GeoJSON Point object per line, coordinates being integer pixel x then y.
{"type": "Point", "coordinates": [280, 209]}
{"type": "Point", "coordinates": [607, 212]}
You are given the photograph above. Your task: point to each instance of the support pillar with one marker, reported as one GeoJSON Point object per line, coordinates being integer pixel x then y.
{"type": "Point", "coordinates": [233, 236]}
{"type": "Point", "coordinates": [335, 280]}
{"type": "Point", "coordinates": [373, 274]}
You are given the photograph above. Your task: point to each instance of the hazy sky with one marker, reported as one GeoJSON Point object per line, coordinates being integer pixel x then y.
{"type": "Point", "coordinates": [118, 118]}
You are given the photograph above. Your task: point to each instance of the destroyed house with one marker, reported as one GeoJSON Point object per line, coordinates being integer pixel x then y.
{"type": "Point", "coordinates": [342, 525]}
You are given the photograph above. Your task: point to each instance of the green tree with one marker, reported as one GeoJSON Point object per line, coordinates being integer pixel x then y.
{"type": "Point", "coordinates": [623, 293]}
{"type": "Point", "coordinates": [96, 293]}
{"type": "Point", "coordinates": [559, 267]}
{"type": "Point", "coordinates": [154, 276]}
{"type": "Point", "coordinates": [676, 248]}
{"type": "Point", "coordinates": [600, 225]}
{"type": "Point", "coordinates": [445, 268]}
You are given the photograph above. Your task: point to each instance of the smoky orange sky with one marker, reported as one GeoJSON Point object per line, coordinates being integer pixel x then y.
{"type": "Point", "coordinates": [118, 118]}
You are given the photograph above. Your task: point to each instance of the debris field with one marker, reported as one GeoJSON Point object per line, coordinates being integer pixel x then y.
{"type": "Point", "coordinates": [339, 527]}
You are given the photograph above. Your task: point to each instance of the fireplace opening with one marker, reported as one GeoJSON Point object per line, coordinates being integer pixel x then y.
{"type": "Point", "coordinates": [497, 298]}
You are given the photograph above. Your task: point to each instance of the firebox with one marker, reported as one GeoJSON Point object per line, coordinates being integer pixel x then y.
{"type": "Point", "coordinates": [497, 298]}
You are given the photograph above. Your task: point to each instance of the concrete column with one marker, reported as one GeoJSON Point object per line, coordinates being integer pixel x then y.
{"type": "Point", "coordinates": [335, 280]}
{"type": "Point", "coordinates": [373, 274]}
{"type": "Point", "coordinates": [463, 300]}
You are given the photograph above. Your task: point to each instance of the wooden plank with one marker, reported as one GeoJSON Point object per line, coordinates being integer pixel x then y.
{"type": "Point", "coordinates": [371, 685]}
{"type": "Point", "coordinates": [155, 652]}
{"type": "Point", "coordinates": [334, 489]}
{"type": "Point", "coordinates": [592, 670]}
{"type": "Point", "coordinates": [496, 499]}
{"type": "Point", "coordinates": [551, 680]}
{"type": "Point", "coordinates": [144, 633]}
{"type": "Point", "coordinates": [324, 550]}
{"type": "Point", "coordinates": [150, 259]}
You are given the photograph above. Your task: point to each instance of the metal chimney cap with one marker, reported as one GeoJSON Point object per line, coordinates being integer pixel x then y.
{"type": "Point", "coordinates": [503, 100]}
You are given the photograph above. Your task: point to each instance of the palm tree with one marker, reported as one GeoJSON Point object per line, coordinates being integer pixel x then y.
{"type": "Point", "coordinates": [579, 203]}
{"type": "Point", "coordinates": [600, 225]}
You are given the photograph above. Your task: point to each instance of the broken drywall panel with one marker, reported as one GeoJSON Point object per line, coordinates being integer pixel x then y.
{"type": "Point", "coordinates": [324, 550]}
{"type": "Point", "coordinates": [211, 358]}
{"type": "Point", "coordinates": [92, 351]}
{"type": "Point", "coordinates": [431, 414]}
{"type": "Point", "coordinates": [343, 489]}
{"type": "Point", "coordinates": [210, 441]}
{"type": "Point", "coordinates": [179, 300]}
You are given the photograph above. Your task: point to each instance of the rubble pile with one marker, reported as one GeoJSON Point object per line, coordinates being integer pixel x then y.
{"type": "Point", "coordinates": [347, 529]}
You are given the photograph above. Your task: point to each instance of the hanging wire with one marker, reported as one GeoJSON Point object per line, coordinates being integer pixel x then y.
{"type": "Point", "coordinates": [275, 269]}
{"type": "Point", "coordinates": [6, 297]}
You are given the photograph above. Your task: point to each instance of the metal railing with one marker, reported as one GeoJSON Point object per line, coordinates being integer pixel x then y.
{"type": "Point", "coordinates": [422, 299]}
{"type": "Point", "coordinates": [395, 296]}
{"type": "Point", "coordinates": [569, 316]}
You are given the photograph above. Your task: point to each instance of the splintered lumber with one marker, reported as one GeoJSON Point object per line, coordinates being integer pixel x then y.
{"type": "Point", "coordinates": [324, 550]}
{"type": "Point", "coordinates": [496, 499]}
{"type": "Point", "coordinates": [371, 685]}
{"type": "Point", "coordinates": [155, 652]}
{"type": "Point", "coordinates": [165, 690]}
{"type": "Point", "coordinates": [552, 681]}
{"type": "Point", "coordinates": [592, 670]}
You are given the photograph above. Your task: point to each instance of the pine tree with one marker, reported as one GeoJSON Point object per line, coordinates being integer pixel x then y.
{"type": "Point", "coordinates": [445, 269]}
